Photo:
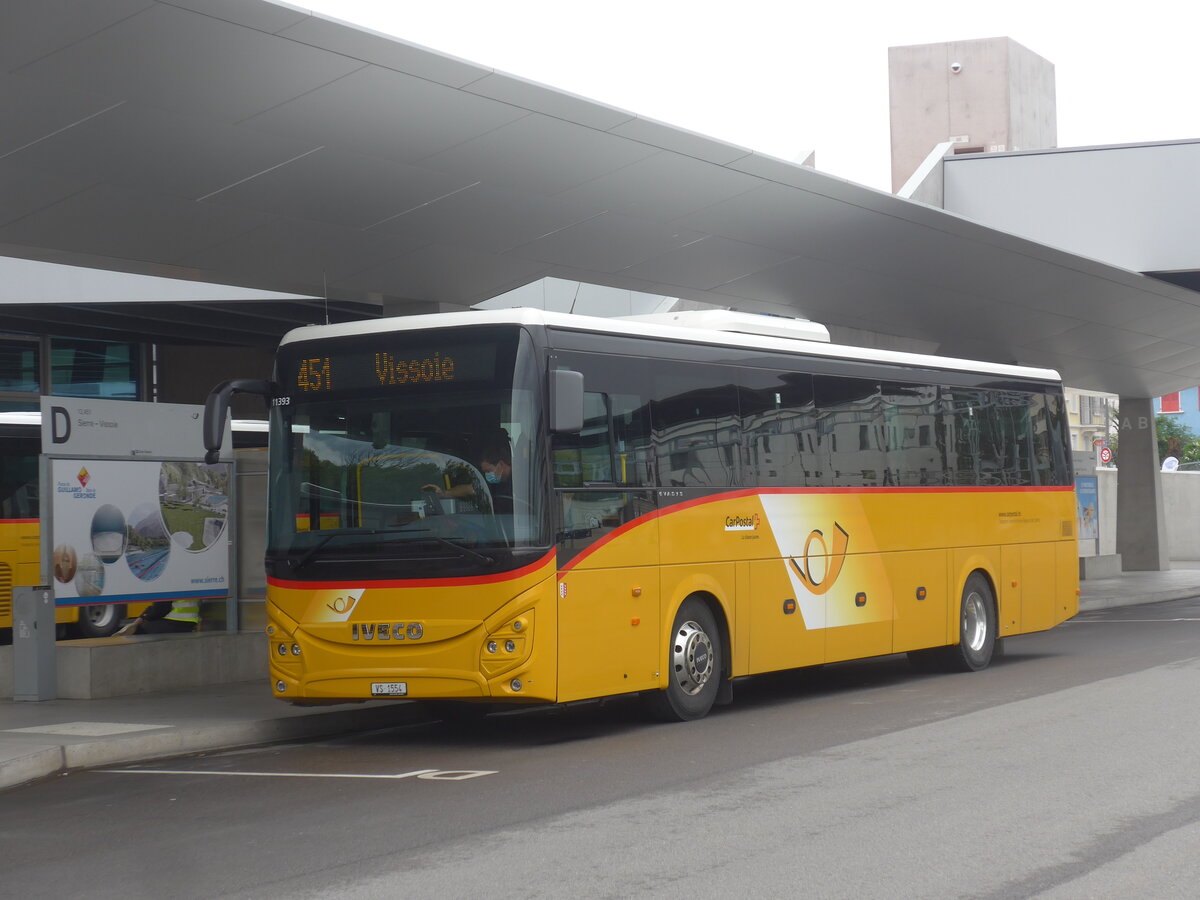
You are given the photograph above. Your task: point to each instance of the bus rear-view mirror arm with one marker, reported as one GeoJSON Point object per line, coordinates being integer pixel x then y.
{"type": "Point", "coordinates": [216, 409]}
{"type": "Point", "coordinates": [566, 401]}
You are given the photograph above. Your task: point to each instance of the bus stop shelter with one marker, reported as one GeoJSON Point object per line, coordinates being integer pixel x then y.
{"type": "Point", "coordinates": [259, 145]}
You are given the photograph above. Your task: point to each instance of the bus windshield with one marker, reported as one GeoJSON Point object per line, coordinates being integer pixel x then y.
{"type": "Point", "coordinates": [416, 461]}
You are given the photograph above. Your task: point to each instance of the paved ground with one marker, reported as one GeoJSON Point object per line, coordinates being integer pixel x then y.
{"type": "Point", "coordinates": [41, 738]}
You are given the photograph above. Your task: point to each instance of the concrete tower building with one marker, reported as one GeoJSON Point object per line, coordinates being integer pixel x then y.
{"type": "Point", "coordinates": [984, 96]}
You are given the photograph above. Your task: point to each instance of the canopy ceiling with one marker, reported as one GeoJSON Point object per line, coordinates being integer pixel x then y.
{"type": "Point", "coordinates": [249, 143]}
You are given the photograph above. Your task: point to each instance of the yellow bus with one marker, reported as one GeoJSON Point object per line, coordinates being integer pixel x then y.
{"type": "Point", "coordinates": [519, 506]}
{"type": "Point", "coordinates": [20, 532]}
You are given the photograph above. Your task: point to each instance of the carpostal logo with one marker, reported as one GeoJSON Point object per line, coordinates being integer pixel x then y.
{"type": "Point", "coordinates": [742, 523]}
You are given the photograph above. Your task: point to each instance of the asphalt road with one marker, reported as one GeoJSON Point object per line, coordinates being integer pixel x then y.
{"type": "Point", "coordinates": [1069, 769]}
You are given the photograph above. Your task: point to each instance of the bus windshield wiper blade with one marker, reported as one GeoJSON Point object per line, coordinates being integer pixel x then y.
{"type": "Point", "coordinates": [325, 539]}
{"type": "Point", "coordinates": [308, 554]}
{"type": "Point", "coordinates": [460, 548]}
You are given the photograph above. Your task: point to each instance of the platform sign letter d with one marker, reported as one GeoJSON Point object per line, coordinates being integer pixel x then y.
{"type": "Point", "coordinates": [60, 425]}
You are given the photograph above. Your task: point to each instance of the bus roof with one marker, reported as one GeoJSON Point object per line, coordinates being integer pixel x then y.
{"type": "Point", "coordinates": [638, 327]}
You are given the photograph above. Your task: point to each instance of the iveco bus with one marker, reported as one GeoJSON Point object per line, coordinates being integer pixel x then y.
{"type": "Point", "coordinates": [520, 506]}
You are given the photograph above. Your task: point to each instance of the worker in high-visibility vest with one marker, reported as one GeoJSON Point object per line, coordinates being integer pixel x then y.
{"type": "Point", "coordinates": [170, 617]}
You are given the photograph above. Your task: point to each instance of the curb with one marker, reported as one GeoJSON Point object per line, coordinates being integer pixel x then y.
{"type": "Point", "coordinates": [1143, 599]}
{"type": "Point", "coordinates": [44, 761]}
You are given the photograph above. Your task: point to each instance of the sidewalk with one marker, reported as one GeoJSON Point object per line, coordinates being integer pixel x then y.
{"type": "Point", "coordinates": [41, 738]}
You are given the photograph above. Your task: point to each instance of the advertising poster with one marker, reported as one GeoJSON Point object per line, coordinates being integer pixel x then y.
{"type": "Point", "coordinates": [1087, 512]}
{"type": "Point", "coordinates": [127, 531]}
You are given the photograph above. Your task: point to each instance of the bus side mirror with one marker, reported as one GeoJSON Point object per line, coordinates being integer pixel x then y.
{"type": "Point", "coordinates": [566, 401]}
{"type": "Point", "coordinates": [216, 408]}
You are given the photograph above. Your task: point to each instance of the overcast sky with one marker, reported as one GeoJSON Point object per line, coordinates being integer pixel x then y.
{"type": "Point", "coordinates": [784, 78]}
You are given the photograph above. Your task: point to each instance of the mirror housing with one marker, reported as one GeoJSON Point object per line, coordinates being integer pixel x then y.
{"type": "Point", "coordinates": [216, 410]}
{"type": "Point", "coordinates": [566, 401]}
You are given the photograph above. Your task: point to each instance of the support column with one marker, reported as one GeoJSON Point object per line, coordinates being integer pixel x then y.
{"type": "Point", "coordinates": [1141, 525]}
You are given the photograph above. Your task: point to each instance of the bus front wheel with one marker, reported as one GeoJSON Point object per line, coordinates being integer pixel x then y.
{"type": "Point", "coordinates": [694, 665]}
{"type": "Point", "coordinates": [976, 626]}
{"type": "Point", "coordinates": [99, 620]}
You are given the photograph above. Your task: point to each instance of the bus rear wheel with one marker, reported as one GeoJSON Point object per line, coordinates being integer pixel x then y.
{"type": "Point", "coordinates": [694, 666]}
{"type": "Point", "coordinates": [976, 626]}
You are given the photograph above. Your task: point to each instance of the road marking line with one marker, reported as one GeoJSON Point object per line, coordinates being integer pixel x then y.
{"type": "Point", "coordinates": [86, 729]}
{"type": "Point", "coordinates": [424, 774]}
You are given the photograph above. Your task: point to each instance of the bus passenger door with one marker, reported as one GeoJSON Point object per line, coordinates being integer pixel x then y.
{"type": "Point", "coordinates": [608, 593]}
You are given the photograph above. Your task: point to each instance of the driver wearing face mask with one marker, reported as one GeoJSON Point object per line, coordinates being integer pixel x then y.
{"type": "Point", "coordinates": [496, 465]}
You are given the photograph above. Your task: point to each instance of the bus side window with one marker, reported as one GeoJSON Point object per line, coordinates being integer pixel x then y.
{"type": "Point", "coordinates": [614, 444]}
{"type": "Point", "coordinates": [912, 417]}
{"type": "Point", "coordinates": [632, 453]}
{"type": "Point", "coordinates": [585, 457]}
{"type": "Point", "coordinates": [851, 430]}
{"type": "Point", "coordinates": [696, 432]}
{"type": "Point", "coordinates": [1051, 454]}
{"type": "Point", "coordinates": [778, 429]}
{"type": "Point", "coordinates": [19, 479]}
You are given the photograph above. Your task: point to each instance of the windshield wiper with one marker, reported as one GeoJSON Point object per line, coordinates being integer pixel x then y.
{"type": "Point", "coordinates": [311, 551]}
{"type": "Point", "coordinates": [462, 550]}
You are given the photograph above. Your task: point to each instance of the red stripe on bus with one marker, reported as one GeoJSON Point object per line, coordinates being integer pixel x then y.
{"type": "Point", "coordinates": [415, 582]}
{"type": "Point", "coordinates": [756, 492]}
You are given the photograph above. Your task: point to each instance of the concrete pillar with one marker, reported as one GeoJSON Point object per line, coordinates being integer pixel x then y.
{"type": "Point", "coordinates": [1141, 525]}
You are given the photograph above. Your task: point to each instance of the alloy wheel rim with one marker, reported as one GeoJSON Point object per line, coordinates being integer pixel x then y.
{"type": "Point", "coordinates": [691, 658]}
{"type": "Point", "coordinates": [974, 625]}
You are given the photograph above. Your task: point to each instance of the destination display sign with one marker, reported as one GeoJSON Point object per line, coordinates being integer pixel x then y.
{"type": "Point", "coordinates": [321, 369]}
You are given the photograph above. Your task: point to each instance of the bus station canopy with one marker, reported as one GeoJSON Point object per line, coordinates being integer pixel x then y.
{"type": "Point", "coordinates": [248, 143]}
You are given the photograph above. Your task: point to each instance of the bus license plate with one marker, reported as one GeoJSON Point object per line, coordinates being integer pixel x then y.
{"type": "Point", "coordinates": [389, 688]}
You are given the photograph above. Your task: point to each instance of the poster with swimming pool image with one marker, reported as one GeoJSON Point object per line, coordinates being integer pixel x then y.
{"type": "Point", "coordinates": [127, 531]}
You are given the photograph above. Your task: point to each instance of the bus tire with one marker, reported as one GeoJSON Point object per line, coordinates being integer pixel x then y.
{"type": "Point", "coordinates": [694, 665]}
{"type": "Point", "coordinates": [99, 620]}
{"type": "Point", "coordinates": [976, 626]}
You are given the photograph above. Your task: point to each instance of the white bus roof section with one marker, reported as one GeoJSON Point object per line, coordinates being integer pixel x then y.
{"type": "Point", "coordinates": [256, 144]}
{"type": "Point", "coordinates": [637, 326]}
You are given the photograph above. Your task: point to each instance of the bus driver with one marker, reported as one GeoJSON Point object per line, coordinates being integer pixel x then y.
{"type": "Point", "coordinates": [496, 465]}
